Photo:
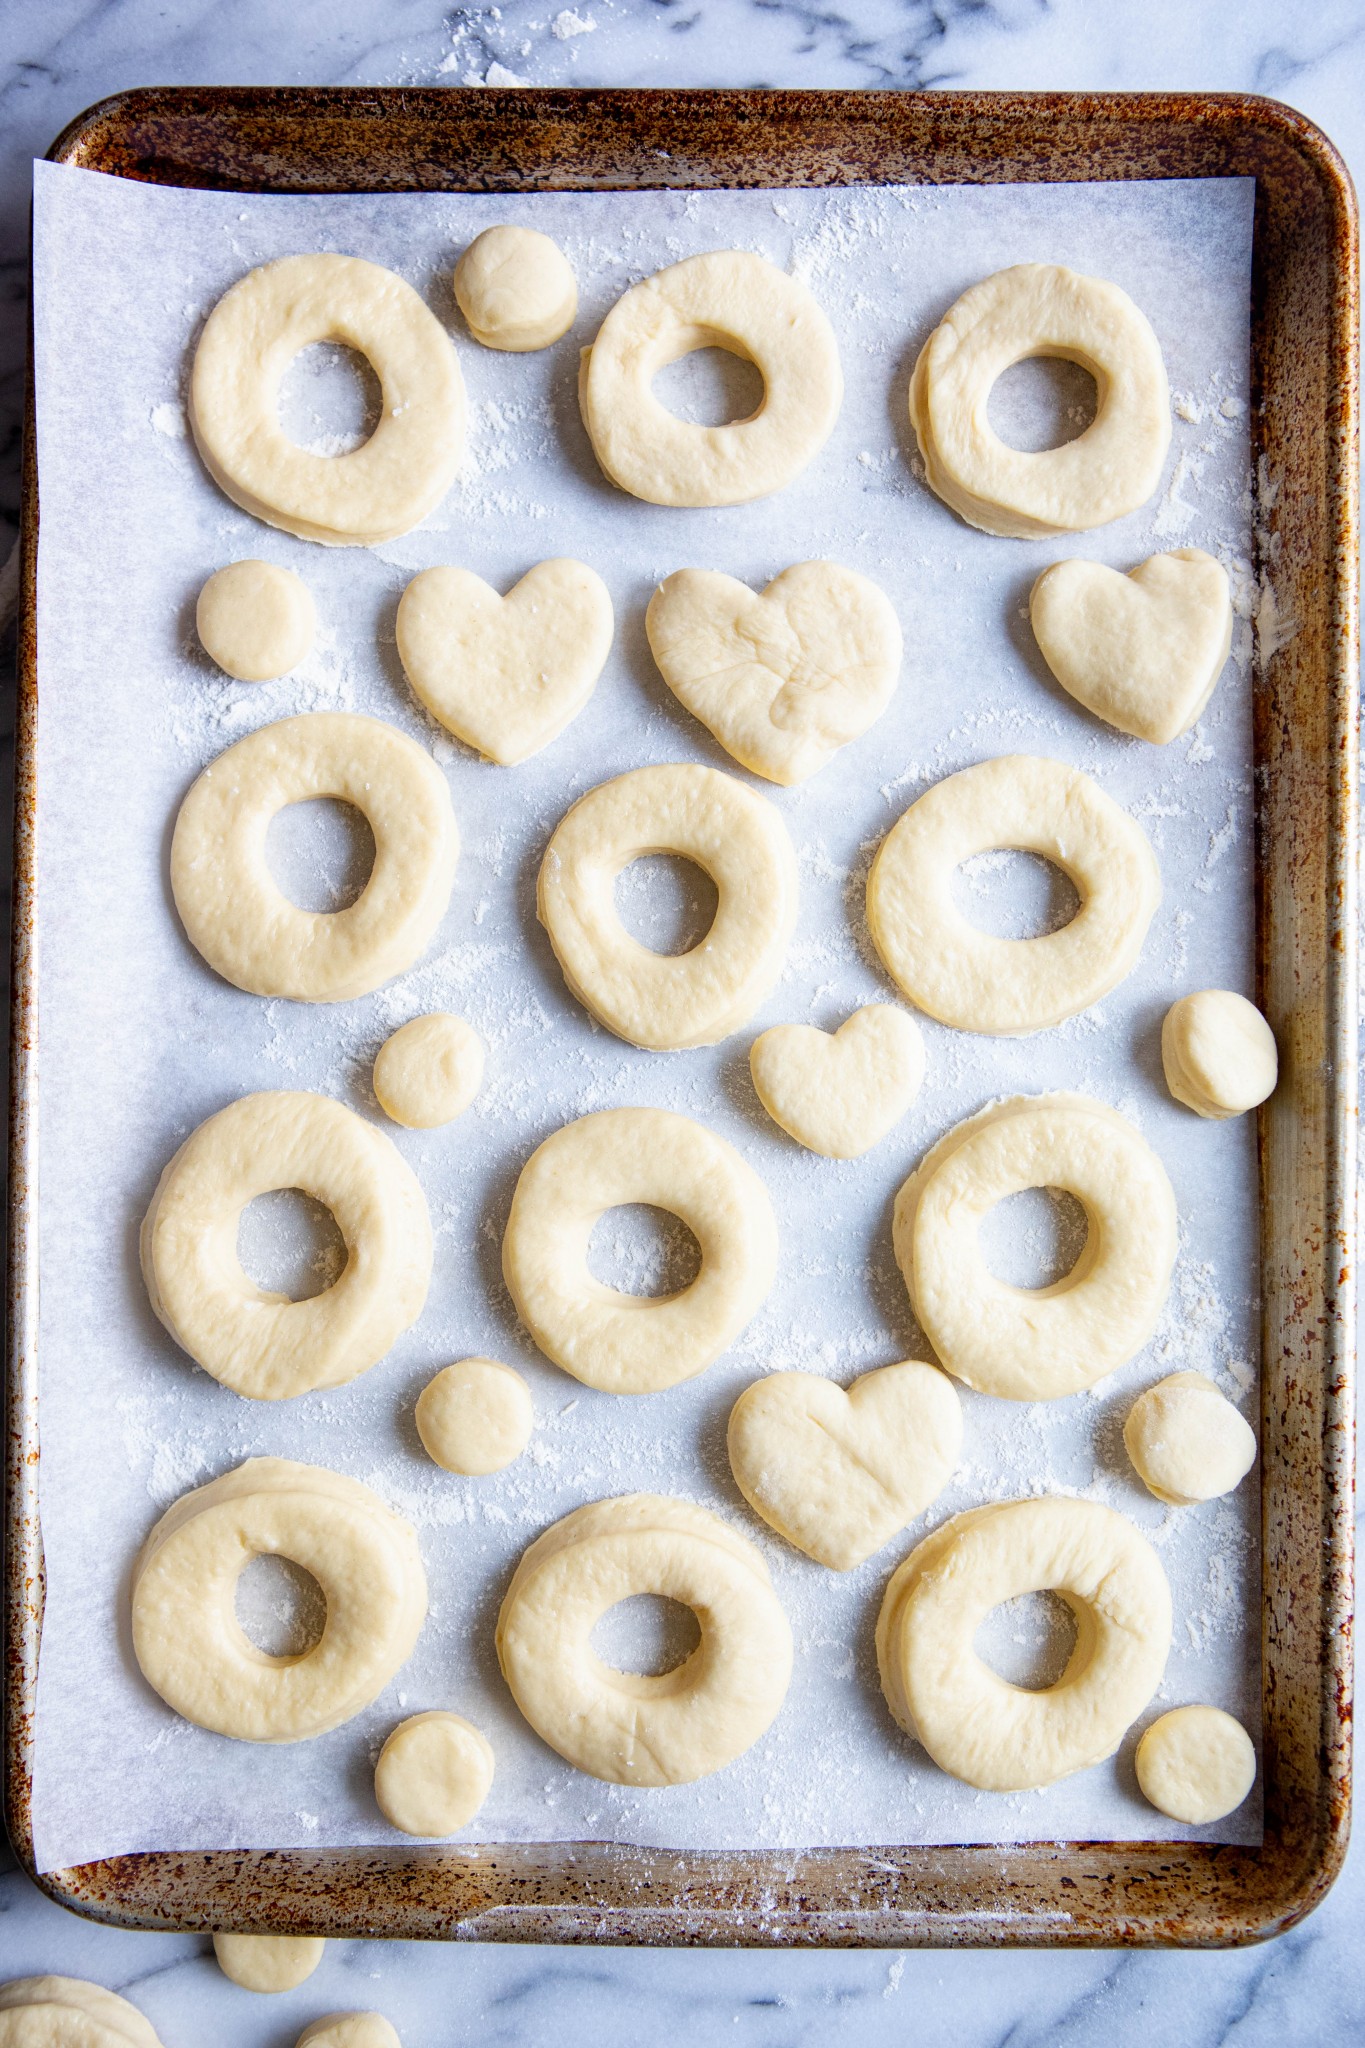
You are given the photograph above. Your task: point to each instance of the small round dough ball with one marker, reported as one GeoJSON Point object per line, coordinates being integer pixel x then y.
{"type": "Point", "coordinates": [349, 2030]}
{"type": "Point", "coordinates": [1219, 1053]}
{"type": "Point", "coordinates": [516, 289]}
{"type": "Point", "coordinates": [268, 1962]}
{"type": "Point", "coordinates": [429, 1072]}
{"type": "Point", "coordinates": [433, 1774]}
{"type": "Point", "coordinates": [1186, 1442]}
{"type": "Point", "coordinates": [475, 1417]}
{"type": "Point", "coordinates": [1196, 1764]}
{"type": "Point", "coordinates": [255, 620]}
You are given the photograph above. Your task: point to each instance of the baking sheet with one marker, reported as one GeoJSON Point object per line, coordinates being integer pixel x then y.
{"type": "Point", "coordinates": [139, 1041]}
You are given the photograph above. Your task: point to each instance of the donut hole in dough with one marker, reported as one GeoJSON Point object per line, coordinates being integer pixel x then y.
{"type": "Point", "coordinates": [637, 1248]}
{"type": "Point", "coordinates": [1186, 1442]}
{"type": "Point", "coordinates": [1013, 894]}
{"type": "Point", "coordinates": [1219, 1054]}
{"type": "Point", "coordinates": [349, 2030]}
{"type": "Point", "coordinates": [475, 1417]}
{"type": "Point", "coordinates": [647, 1634]}
{"type": "Point", "coordinates": [1042, 402]}
{"type": "Point", "coordinates": [1034, 1239]}
{"type": "Point", "coordinates": [516, 289]}
{"type": "Point", "coordinates": [433, 1774]}
{"type": "Point", "coordinates": [256, 620]}
{"type": "Point", "coordinates": [710, 387]}
{"type": "Point", "coordinates": [1196, 1764]}
{"type": "Point", "coordinates": [1028, 1641]}
{"type": "Point", "coordinates": [320, 853]}
{"type": "Point", "coordinates": [330, 400]}
{"type": "Point", "coordinates": [280, 1607]}
{"type": "Point", "coordinates": [428, 1072]}
{"type": "Point", "coordinates": [268, 1962]}
{"type": "Point", "coordinates": [290, 1245]}
{"type": "Point", "coordinates": [666, 902]}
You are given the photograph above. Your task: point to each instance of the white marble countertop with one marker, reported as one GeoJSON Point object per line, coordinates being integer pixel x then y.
{"type": "Point", "coordinates": [57, 58]}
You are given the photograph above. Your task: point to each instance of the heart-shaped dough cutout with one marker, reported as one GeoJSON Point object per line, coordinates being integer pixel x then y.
{"type": "Point", "coordinates": [840, 1092]}
{"type": "Point", "coordinates": [839, 1474]}
{"type": "Point", "coordinates": [782, 680]}
{"type": "Point", "coordinates": [505, 674]}
{"type": "Point", "coordinates": [1142, 651]}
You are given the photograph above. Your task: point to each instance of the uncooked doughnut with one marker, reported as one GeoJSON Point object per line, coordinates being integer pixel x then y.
{"type": "Point", "coordinates": [729, 299]}
{"type": "Point", "coordinates": [233, 910]}
{"type": "Point", "coordinates": [975, 1724]}
{"type": "Point", "coordinates": [1219, 1053]}
{"type": "Point", "coordinates": [475, 1417]}
{"type": "Point", "coordinates": [349, 2030]}
{"type": "Point", "coordinates": [1041, 309]}
{"type": "Point", "coordinates": [1186, 1442]}
{"type": "Point", "coordinates": [268, 1962]}
{"type": "Point", "coordinates": [264, 1345]}
{"type": "Point", "coordinates": [253, 334]}
{"type": "Point", "coordinates": [516, 289]}
{"type": "Point", "coordinates": [428, 1072]}
{"type": "Point", "coordinates": [668, 1001]}
{"type": "Point", "coordinates": [1196, 1764]}
{"type": "Point", "coordinates": [433, 1774]}
{"type": "Point", "coordinates": [628, 1727]}
{"type": "Point", "coordinates": [68, 2012]}
{"type": "Point", "coordinates": [255, 620]}
{"type": "Point", "coordinates": [839, 1093]}
{"type": "Point", "coordinates": [1009, 987]}
{"type": "Point", "coordinates": [630, 1343]}
{"type": "Point", "coordinates": [1038, 1343]}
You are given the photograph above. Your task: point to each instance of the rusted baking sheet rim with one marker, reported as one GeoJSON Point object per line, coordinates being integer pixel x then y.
{"type": "Point", "coordinates": [1304, 426]}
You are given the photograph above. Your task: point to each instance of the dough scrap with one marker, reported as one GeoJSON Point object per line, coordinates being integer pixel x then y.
{"type": "Point", "coordinates": [69, 2012]}
{"type": "Point", "coordinates": [475, 1417]}
{"type": "Point", "coordinates": [1011, 987]}
{"type": "Point", "coordinates": [1186, 1442]}
{"type": "Point", "coordinates": [505, 674]}
{"type": "Point", "coordinates": [839, 1093]}
{"type": "Point", "coordinates": [728, 299]}
{"type": "Point", "coordinates": [349, 2030]}
{"type": "Point", "coordinates": [1196, 1764]}
{"type": "Point", "coordinates": [976, 1725]}
{"type": "Point", "coordinates": [1142, 651]}
{"type": "Point", "coordinates": [373, 493]}
{"type": "Point", "coordinates": [629, 1343]}
{"type": "Point", "coordinates": [268, 1962]}
{"type": "Point", "coordinates": [428, 1071]}
{"type": "Point", "coordinates": [1041, 309]}
{"type": "Point", "coordinates": [631, 1728]}
{"type": "Point", "coordinates": [1037, 1343]}
{"type": "Point", "coordinates": [233, 910]}
{"type": "Point", "coordinates": [1219, 1053]}
{"type": "Point", "coordinates": [839, 1474]}
{"type": "Point", "coordinates": [516, 289]}
{"type": "Point", "coordinates": [256, 620]}
{"type": "Point", "coordinates": [783, 680]}
{"type": "Point", "coordinates": [433, 1774]}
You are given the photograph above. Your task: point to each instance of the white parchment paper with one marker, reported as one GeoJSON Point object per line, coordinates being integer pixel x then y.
{"type": "Point", "coordinates": [139, 1041]}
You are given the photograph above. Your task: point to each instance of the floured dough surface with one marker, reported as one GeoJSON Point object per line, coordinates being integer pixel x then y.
{"type": "Point", "coordinates": [268, 1962]}
{"type": "Point", "coordinates": [349, 2030]}
{"type": "Point", "coordinates": [256, 620]}
{"type": "Point", "coordinates": [433, 1774]}
{"type": "Point", "coordinates": [475, 1417]}
{"type": "Point", "coordinates": [1196, 1764]}
{"type": "Point", "coordinates": [1186, 1442]}
{"type": "Point", "coordinates": [516, 289]}
{"type": "Point", "coordinates": [1219, 1054]}
{"type": "Point", "coordinates": [428, 1072]}
{"type": "Point", "coordinates": [69, 2012]}
{"type": "Point", "coordinates": [840, 1092]}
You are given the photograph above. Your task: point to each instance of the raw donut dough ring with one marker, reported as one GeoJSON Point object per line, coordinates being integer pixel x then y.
{"type": "Point", "coordinates": [428, 1071]}
{"type": "Point", "coordinates": [186, 1636]}
{"type": "Point", "coordinates": [70, 2012]}
{"type": "Point", "coordinates": [1041, 309]}
{"type": "Point", "coordinates": [1186, 1442]}
{"type": "Point", "coordinates": [256, 620]}
{"type": "Point", "coordinates": [231, 906]}
{"type": "Point", "coordinates": [1010, 987]}
{"type": "Point", "coordinates": [668, 1001]}
{"type": "Point", "coordinates": [974, 1724]}
{"type": "Point", "coordinates": [1196, 1764]}
{"type": "Point", "coordinates": [629, 1343]}
{"type": "Point", "coordinates": [268, 1962]}
{"type": "Point", "coordinates": [1037, 1343]}
{"type": "Point", "coordinates": [475, 1417]}
{"type": "Point", "coordinates": [631, 1728]}
{"type": "Point", "coordinates": [433, 1774]}
{"type": "Point", "coordinates": [264, 1345]}
{"type": "Point", "coordinates": [1218, 1053]}
{"type": "Point", "coordinates": [728, 299]}
{"type": "Point", "coordinates": [253, 334]}
{"type": "Point", "coordinates": [516, 289]}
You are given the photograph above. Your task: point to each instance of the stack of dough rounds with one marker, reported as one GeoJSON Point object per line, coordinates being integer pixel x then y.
{"type": "Point", "coordinates": [1219, 1053]}
{"type": "Point", "coordinates": [516, 289]}
{"type": "Point", "coordinates": [67, 2012]}
{"type": "Point", "coordinates": [1196, 1764]}
{"type": "Point", "coordinates": [253, 334]}
{"type": "Point", "coordinates": [186, 1635]}
{"type": "Point", "coordinates": [428, 1071]}
{"type": "Point", "coordinates": [349, 2030]}
{"type": "Point", "coordinates": [268, 1962]}
{"type": "Point", "coordinates": [631, 1728]}
{"type": "Point", "coordinates": [1038, 1343]}
{"type": "Point", "coordinates": [1186, 1442]}
{"type": "Point", "coordinates": [264, 1345]}
{"type": "Point", "coordinates": [256, 620]}
{"type": "Point", "coordinates": [433, 1774]}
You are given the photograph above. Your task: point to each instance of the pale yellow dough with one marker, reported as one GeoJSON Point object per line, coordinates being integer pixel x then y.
{"type": "Point", "coordinates": [1142, 651]}
{"type": "Point", "coordinates": [839, 1093]}
{"type": "Point", "coordinates": [264, 1345]}
{"type": "Point", "coordinates": [349, 2030]}
{"type": "Point", "coordinates": [516, 289]}
{"type": "Point", "coordinates": [475, 1417]}
{"type": "Point", "coordinates": [1038, 1343]}
{"type": "Point", "coordinates": [974, 1724]}
{"type": "Point", "coordinates": [505, 674]}
{"type": "Point", "coordinates": [268, 1962]}
{"type": "Point", "coordinates": [1196, 1764]}
{"type": "Point", "coordinates": [839, 1474]}
{"type": "Point", "coordinates": [433, 1774]}
{"type": "Point", "coordinates": [1186, 1442]}
{"type": "Point", "coordinates": [1219, 1053]}
{"type": "Point", "coordinates": [657, 1000]}
{"type": "Point", "coordinates": [253, 334]}
{"type": "Point", "coordinates": [428, 1072]}
{"type": "Point", "coordinates": [1041, 309]}
{"type": "Point", "coordinates": [68, 2012]}
{"type": "Point", "coordinates": [630, 1728]}
{"type": "Point", "coordinates": [186, 1636]}
{"type": "Point", "coordinates": [255, 620]}
{"type": "Point", "coordinates": [784, 679]}
{"type": "Point", "coordinates": [728, 299]}
{"type": "Point", "coordinates": [1010, 987]}
{"type": "Point", "coordinates": [628, 1343]}
{"type": "Point", "coordinates": [233, 910]}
